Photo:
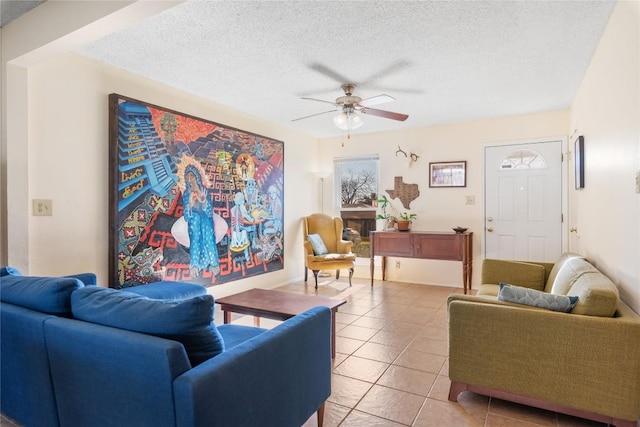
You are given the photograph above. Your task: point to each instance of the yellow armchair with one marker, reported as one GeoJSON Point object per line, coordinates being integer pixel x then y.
{"type": "Point", "coordinates": [338, 254]}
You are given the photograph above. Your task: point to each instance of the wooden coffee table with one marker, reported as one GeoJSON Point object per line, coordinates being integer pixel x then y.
{"type": "Point", "coordinates": [277, 306]}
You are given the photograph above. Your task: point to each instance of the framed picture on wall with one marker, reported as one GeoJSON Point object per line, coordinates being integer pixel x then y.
{"type": "Point", "coordinates": [579, 161]}
{"type": "Point", "coordinates": [190, 200]}
{"type": "Point", "coordinates": [448, 174]}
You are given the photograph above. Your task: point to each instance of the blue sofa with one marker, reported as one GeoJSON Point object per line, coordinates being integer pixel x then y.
{"type": "Point", "coordinates": [76, 355]}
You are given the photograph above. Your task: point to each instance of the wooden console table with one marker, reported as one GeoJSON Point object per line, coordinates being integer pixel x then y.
{"type": "Point", "coordinates": [447, 246]}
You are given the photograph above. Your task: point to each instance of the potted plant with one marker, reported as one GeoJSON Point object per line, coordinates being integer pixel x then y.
{"type": "Point", "coordinates": [405, 220]}
{"type": "Point", "coordinates": [389, 217]}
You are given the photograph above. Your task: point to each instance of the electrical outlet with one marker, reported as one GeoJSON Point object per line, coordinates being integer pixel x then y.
{"type": "Point", "coordinates": [470, 200]}
{"type": "Point", "coordinates": [397, 264]}
{"type": "Point", "coordinates": [42, 207]}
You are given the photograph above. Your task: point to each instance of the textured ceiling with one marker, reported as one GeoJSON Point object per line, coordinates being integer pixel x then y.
{"type": "Point", "coordinates": [445, 61]}
{"type": "Point", "coordinates": [13, 9]}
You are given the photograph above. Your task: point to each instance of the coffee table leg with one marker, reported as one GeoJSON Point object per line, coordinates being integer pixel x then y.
{"type": "Point", "coordinates": [256, 321]}
{"type": "Point", "coordinates": [227, 317]}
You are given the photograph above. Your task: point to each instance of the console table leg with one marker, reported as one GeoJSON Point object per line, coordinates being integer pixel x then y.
{"type": "Point", "coordinates": [384, 268]}
{"type": "Point", "coordinates": [466, 277]}
{"type": "Point", "coordinates": [372, 268]}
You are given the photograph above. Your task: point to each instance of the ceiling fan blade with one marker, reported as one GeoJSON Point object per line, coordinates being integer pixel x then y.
{"type": "Point", "coordinates": [375, 100]}
{"type": "Point", "coordinates": [320, 100]}
{"type": "Point", "coordinates": [395, 89]}
{"type": "Point", "coordinates": [328, 72]}
{"type": "Point", "coordinates": [386, 114]}
{"type": "Point", "coordinates": [390, 69]}
{"type": "Point", "coordinates": [313, 115]}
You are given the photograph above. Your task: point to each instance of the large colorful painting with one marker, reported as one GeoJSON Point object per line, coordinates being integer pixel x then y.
{"type": "Point", "coordinates": [190, 200]}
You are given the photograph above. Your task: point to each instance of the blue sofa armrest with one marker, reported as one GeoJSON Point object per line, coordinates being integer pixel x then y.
{"type": "Point", "coordinates": [106, 376]}
{"type": "Point", "coordinates": [278, 378]}
{"type": "Point", "coordinates": [26, 390]}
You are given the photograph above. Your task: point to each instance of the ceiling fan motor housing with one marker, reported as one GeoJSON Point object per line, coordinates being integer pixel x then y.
{"type": "Point", "coordinates": [350, 104]}
{"type": "Point", "coordinates": [348, 88]}
{"type": "Point", "coordinates": [348, 100]}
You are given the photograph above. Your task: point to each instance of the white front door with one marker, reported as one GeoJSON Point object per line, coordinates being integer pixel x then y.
{"type": "Point", "coordinates": [523, 201]}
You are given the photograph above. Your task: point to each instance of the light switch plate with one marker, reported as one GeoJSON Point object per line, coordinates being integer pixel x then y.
{"type": "Point", "coordinates": [42, 207]}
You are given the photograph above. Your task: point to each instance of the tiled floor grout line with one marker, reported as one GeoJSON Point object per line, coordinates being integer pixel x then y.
{"type": "Point", "coordinates": [387, 300]}
{"type": "Point", "coordinates": [390, 364]}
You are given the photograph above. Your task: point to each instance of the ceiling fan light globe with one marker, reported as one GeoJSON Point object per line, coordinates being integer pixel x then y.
{"type": "Point", "coordinates": [346, 121]}
{"type": "Point", "coordinates": [356, 121]}
{"type": "Point", "coordinates": [341, 121]}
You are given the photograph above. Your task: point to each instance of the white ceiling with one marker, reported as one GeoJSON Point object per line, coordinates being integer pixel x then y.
{"type": "Point", "coordinates": [444, 62]}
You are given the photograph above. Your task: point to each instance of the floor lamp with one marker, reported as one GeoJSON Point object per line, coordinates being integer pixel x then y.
{"type": "Point", "coordinates": [322, 175]}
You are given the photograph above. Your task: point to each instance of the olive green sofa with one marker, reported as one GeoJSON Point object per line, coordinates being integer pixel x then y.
{"type": "Point", "coordinates": [584, 363]}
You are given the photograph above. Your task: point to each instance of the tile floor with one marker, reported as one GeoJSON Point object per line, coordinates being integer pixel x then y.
{"type": "Point", "coordinates": [391, 363]}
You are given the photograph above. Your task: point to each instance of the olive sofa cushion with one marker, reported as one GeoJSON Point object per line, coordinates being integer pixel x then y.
{"type": "Point", "coordinates": [519, 273]}
{"type": "Point", "coordinates": [568, 273]}
{"type": "Point", "coordinates": [597, 295]}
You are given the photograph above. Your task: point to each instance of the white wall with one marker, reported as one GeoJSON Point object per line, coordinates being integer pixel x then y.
{"type": "Point", "coordinates": [54, 143]}
{"type": "Point", "coordinates": [68, 163]}
{"type": "Point", "coordinates": [440, 209]}
{"type": "Point", "coordinates": [51, 29]}
{"type": "Point", "coordinates": [606, 110]}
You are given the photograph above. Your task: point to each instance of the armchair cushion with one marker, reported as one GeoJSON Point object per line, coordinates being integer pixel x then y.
{"type": "Point", "coordinates": [334, 257]}
{"type": "Point", "coordinates": [317, 244]}
{"type": "Point", "coordinates": [189, 321]}
{"type": "Point", "coordinates": [535, 298]}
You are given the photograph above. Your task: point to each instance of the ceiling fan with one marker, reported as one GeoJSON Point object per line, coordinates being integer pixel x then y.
{"type": "Point", "coordinates": [350, 104]}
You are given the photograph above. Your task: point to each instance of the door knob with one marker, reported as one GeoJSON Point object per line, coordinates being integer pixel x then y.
{"type": "Point", "coordinates": [489, 218]}
{"type": "Point", "coordinates": [489, 229]}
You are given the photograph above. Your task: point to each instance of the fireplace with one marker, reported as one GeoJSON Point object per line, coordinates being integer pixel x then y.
{"type": "Point", "coordinates": [362, 221]}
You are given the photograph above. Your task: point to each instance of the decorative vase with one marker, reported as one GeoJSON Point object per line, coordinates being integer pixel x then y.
{"type": "Point", "coordinates": [403, 225]}
{"type": "Point", "coordinates": [388, 224]}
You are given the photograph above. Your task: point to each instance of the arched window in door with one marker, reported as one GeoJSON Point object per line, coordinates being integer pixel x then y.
{"type": "Point", "coordinates": [523, 159]}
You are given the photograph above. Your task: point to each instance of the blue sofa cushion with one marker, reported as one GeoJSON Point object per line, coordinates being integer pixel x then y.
{"type": "Point", "coordinates": [50, 295]}
{"type": "Point", "coordinates": [535, 298]}
{"type": "Point", "coordinates": [88, 279]}
{"type": "Point", "coordinates": [168, 290]}
{"type": "Point", "coordinates": [189, 321]}
{"type": "Point", "coordinates": [9, 271]}
{"type": "Point", "coordinates": [237, 334]}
